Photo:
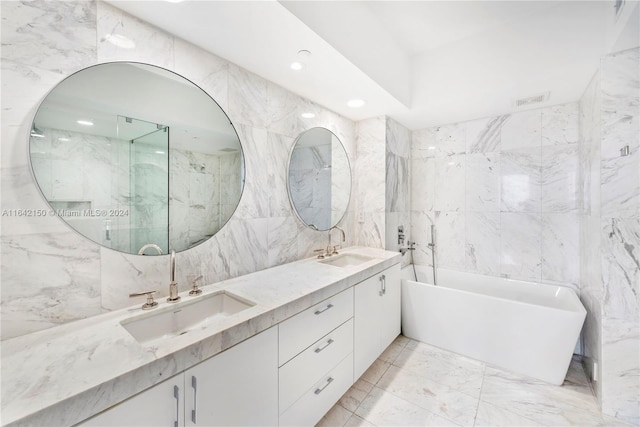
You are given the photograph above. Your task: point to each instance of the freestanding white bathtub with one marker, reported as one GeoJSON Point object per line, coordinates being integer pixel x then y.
{"type": "Point", "coordinates": [529, 328]}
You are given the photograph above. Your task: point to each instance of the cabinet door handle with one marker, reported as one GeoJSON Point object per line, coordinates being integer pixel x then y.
{"type": "Point", "coordinates": [329, 342]}
{"type": "Point", "coordinates": [383, 285]}
{"type": "Point", "coordinates": [176, 394]}
{"type": "Point", "coordinates": [319, 390]}
{"type": "Point", "coordinates": [194, 411]}
{"type": "Point", "coordinates": [324, 309]}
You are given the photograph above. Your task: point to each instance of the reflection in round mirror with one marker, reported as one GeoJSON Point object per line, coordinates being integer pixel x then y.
{"type": "Point", "coordinates": [319, 179]}
{"type": "Point", "coordinates": [136, 158]}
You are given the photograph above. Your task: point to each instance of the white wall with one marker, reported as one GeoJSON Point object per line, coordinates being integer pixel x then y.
{"type": "Point", "coordinates": [610, 247]}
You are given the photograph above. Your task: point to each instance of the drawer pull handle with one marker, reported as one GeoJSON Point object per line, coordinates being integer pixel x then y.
{"type": "Point", "coordinates": [329, 342]}
{"type": "Point", "coordinates": [176, 395]}
{"type": "Point", "coordinates": [383, 285]}
{"type": "Point", "coordinates": [194, 411]}
{"type": "Point", "coordinates": [319, 390]}
{"type": "Point", "coordinates": [324, 309]}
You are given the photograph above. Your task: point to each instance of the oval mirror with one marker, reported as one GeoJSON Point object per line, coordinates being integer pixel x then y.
{"type": "Point", "coordinates": [136, 158]}
{"type": "Point", "coordinates": [319, 179]}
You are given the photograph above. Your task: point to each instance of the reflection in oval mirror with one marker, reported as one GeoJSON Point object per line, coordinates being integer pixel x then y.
{"type": "Point", "coordinates": [136, 158]}
{"type": "Point", "coordinates": [319, 179]}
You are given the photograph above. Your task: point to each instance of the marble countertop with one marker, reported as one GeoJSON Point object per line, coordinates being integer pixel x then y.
{"type": "Point", "coordinates": [63, 375]}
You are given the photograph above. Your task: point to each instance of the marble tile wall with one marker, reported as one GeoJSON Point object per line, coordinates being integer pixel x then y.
{"type": "Point", "coordinates": [590, 267]}
{"type": "Point", "coordinates": [502, 193]}
{"type": "Point", "coordinates": [620, 234]}
{"type": "Point", "coordinates": [382, 177]}
{"type": "Point", "coordinates": [70, 277]}
{"type": "Point", "coordinates": [398, 189]}
{"type": "Point", "coordinates": [370, 182]}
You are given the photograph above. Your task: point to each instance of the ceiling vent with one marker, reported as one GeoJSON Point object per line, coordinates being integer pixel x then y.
{"type": "Point", "coordinates": [531, 100]}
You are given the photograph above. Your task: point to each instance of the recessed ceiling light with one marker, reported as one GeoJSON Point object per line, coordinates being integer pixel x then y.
{"type": "Point", "coordinates": [307, 115]}
{"type": "Point", "coordinates": [431, 147]}
{"type": "Point", "coordinates": [159, 152]}
{"type": "Point", "coordinates": [62, 139]}
{"type": "Point", "coordinates": [85, 123]}
{"type": "Point", "coordinates": [355, 103]}
{"type": "Point", "coordinates": [175, 1]}
{"type": "Point", "coordinates": [296, 66]}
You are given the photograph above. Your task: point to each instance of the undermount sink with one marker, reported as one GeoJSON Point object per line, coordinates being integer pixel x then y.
{"type": "Point", "coordinates": [347, 260]}
{"type": "Point", "coordinates": [188, 316]}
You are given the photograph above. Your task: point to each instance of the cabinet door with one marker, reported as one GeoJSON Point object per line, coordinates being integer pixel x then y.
{"type": "Point", "coordinates": [161, 405]}
{"type": "Point", "coordinates": [237, 387]}
{"type": "Point", "coordinates": [376, 317]}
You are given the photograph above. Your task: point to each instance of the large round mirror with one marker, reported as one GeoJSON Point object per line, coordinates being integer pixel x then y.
{"type": "Point", "coordinates": [136, 158]}
{"type": "Point", "coordinates": [319, 179]}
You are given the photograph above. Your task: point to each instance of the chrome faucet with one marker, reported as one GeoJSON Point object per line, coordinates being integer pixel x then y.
{"type": "Point", "coordinates": [173, 285]}
{"type": "Point", "coordinates": [334, 251]}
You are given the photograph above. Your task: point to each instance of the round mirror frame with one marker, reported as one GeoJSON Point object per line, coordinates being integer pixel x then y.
{"type": "Point", "coordinates": [289, 193]}
{"type": "Point", "coordinates": [53, 211]}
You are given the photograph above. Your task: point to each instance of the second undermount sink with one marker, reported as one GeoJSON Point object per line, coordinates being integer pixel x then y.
{"type": "Point", "coordinates": [347, 260]}
{"type": "Point", "coordinates": [182, 318]}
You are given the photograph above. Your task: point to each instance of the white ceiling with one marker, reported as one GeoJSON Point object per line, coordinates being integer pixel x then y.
{"type": "Point", "coordinates": [423, 63]}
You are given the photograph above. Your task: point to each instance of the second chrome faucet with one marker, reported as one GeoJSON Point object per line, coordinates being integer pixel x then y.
{"type": "Point", "coordinates": [173, 285]}
{"type": "Point", "coordinates": [334, 250]}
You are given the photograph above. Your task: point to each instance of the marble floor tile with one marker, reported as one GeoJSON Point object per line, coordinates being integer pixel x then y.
{"type": "Point", "coordinates": [392, 352]}
{"type": "Point", "coordinates": [547, 404]}
{"type": "Point", "coordinates": [492, 415]}
{"type": "Point", "coordinates": [375, 371]}
{"type": "Point", "coordinates": [356, 421]}
{"type": "Point", "coordinates": [457, 372]}
{"type": "Point", "coordinates": [385, 409]}
{"type": "Point", "coordinates": [337, 416]}
{"type": "Point", "coordinates": [425, 385]}
{"type": "Point", "coordinates": [430, 395]}
{"type": "Point", "coordinates": [355, 395]}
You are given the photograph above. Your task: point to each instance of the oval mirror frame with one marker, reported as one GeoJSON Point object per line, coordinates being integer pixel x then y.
{"type": "Point", "coordinates": [319, 179]}
{"type": "Point", "coordinates": [136, 158]}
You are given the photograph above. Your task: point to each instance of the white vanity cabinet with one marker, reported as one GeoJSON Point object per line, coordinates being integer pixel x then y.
{"type": "Point", "coordinates": [376, 317]}
{"type": "Point", "coordinates": [316, 358]}
{"type": "Point", "coordinates": [238, 387]}
{"type": "Point", "coordinates": [160, 405]}
{"type": "Point", "coordinates": [290, 374]}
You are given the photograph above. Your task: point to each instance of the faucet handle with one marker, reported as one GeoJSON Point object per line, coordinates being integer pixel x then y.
{"type": "Point", "coordinates": [320, 253]}
{"type": "Point", "coordinates": [335, 249]}
{"type": "Point", "coordinates": [195, 290]}
{"type": "Point", "coordinates": [150, 302]}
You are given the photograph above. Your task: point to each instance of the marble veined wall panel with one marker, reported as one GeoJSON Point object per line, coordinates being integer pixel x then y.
{"type": "Point", "coordinates": [511, 182]}
{"type": "Point", "coordinates": [42, 43]}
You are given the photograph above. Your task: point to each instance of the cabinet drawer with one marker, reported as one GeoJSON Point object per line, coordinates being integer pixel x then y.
{"type": "Point", "coordinates": [301, 372]}
{"type": "Point", "coordinates": [303, 329]}
{"type": "Point", "coordinates": [321, 397]}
